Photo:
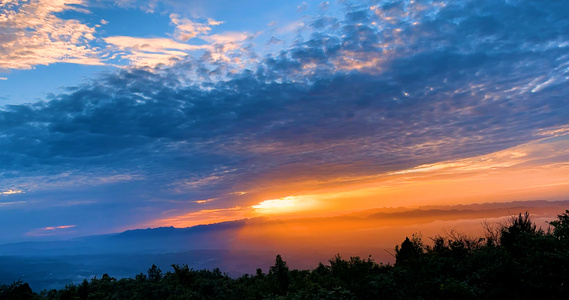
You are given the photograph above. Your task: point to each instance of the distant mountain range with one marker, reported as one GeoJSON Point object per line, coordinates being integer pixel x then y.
{"type": "Point", "coordinates": [241, 246]}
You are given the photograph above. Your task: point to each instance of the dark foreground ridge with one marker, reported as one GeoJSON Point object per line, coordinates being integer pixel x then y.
{"type": "Point", "coordinates": [514, 260]}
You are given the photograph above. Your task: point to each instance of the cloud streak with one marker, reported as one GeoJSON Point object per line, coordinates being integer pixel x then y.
{"type": "Point", "coordinates": [151, 51]}
{"type": "Point", "coordinates": [10, 192]}
{"type": "Point", "coordinates": [51, 231]}
{"type": "Point", "coordinates": [58, 227]}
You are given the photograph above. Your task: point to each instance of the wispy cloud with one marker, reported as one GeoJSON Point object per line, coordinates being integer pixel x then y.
{"type": "Point", "coordinates": [50, 228]}
{"type": "Point", "coordinates": [187, 29]}
{"type": "Point", "coordinates": [302, 7]}
{"type": "Point", "coordinates": [204, 216]}
{"type": "Point", "coordinates": [10, 192]}
{"type": "Point", "coordinates": [151, 51]}
{"type": "Point", "coordinates": [12, 203]}
{"type": "Point", "coordinates": [51, 231]}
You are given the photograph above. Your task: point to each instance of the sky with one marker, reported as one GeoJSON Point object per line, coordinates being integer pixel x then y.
{"type": "Point", "coordinates": [144, 113]}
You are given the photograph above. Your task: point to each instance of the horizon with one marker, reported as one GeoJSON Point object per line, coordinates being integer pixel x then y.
{"type": "Point", "coordinates": [542, 210]}
{"type": "Point", "coordinates": [243, 246]}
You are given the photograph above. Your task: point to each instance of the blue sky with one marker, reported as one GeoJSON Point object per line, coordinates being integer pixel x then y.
{"type": "Point", "coordinates": [129, 114]}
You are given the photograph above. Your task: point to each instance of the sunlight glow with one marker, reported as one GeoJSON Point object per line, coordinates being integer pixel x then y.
{"type": "Point", "coordinates": [535, 170]}
{"type": "Point", "coordinates": [284, 205]}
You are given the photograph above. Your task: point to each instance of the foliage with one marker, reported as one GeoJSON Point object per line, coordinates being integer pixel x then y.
{"type": "Point", "coordinates": [516, 260]}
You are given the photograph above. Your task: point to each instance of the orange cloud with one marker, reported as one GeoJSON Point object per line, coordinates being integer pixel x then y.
{"type": "Point", "coordinates": [59, 227]}
{"type": "Point", "coordinates": [187, 29]}
{"type": "Point", "coordinates": [204, 216]}
{"type": "Point", "coordinates": [51, 230]}
{"type": "Point", "coordinates": [35, 35]}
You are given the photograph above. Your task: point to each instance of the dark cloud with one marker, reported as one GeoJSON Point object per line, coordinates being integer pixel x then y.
{"type": "Point", "coordinates": [383, 89]}
{"type": "Point", "coordinates": [274, 41]}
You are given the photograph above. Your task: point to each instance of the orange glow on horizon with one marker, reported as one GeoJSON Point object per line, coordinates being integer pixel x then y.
{"type": "Point", "coordinates": [537, 170]}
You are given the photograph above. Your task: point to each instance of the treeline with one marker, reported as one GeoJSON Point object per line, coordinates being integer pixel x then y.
{"type": "Point", "coordinates": [514, 260]}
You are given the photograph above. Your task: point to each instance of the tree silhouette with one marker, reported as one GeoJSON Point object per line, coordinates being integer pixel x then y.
{"type": "Point", "coordinates": [279, 273]}
{"type": "Point", "coordinates": [561, 226]}
{"type": "Point", "coordinates": [16, 291]}
{"type": "Point", "coordinates": [519, 230]}
{"type": "Point", "coordinates": [409, 252]}
{"type": "Point", "coordinates": [154, 273]}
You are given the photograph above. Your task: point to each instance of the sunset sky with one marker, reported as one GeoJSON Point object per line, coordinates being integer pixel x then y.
{"type": "Point", "coordinates": [122, 114]}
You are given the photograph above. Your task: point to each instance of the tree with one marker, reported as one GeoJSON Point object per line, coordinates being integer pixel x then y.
{"type": "Point", "coordinates": [154, 273]}
{"type": "Point", "coordinates": [17, 291]}
{"type": "Point", "coordinates": [519, 230]}
{"type": "Point", "coordinates": [184, 274]}
{"type": "Point", "coordinates": [561, 226]}
{"type": "Point", "coordinates": [409, 252]}
{"type": "Point", "coordinates": [279, 273]}
{"type": "Point", "coordinates": [83, 289]}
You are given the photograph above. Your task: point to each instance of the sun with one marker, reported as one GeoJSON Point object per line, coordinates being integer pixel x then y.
{"type": "Point", "coordinates": [283, 205]}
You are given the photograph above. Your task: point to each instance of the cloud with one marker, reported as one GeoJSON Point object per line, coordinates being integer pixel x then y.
{"type": "Point", "coordinates": [187, 29]}
{"type": "Point", "coordinates": [3, 204]}
{"type": "Point", "coordinates": [274, 41]}
{"type": "Point", "coordinates": [540, 149]}
{"type": "Point", "coordinates": [33, 34]}
{"type": "Point", "coordinates": [229, 49]}
{"type": "Point", "coordinates": [302, 7]}
{"type": "Point", "coordinates": [148, 6]}
{"type": "Point", "coordinates": [205, 216]}
{"type": "Point", "coordinates": [151, 51]}
{"type": "Point", "coordinates": [58, 227]}
{"type": "Point", "coordinates": [51, 231]}
{"type": "Point", "coordinates": [10, 192]}
{"type": "Point", "coordinates": [149, 44]}
{"type": "Point", "coordinates": [226, 38]}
